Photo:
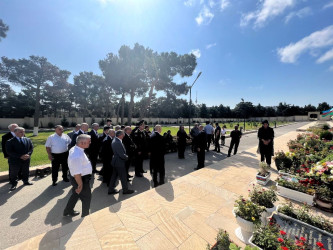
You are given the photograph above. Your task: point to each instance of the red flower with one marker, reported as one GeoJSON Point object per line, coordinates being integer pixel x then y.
{"type": "Point", "coordinates": [284, 248]}
{"type": "Point", "coordinates": [283, 232]}
{"type": "Point", "coordinates": [280, 240]}
{"type": "Point", "coordinates": [319, 244]}
{"type": "Point", "coordinates": [302, 239]}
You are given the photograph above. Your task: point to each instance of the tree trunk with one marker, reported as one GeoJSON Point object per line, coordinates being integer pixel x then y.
{"type": "Point", "coordinates": [37, 110]}
{"type": "Point", "coordinates": [130, 108]}
{"type": "Point", "coordinates": [122, 108]}
{"type": "Point", "coordinates": [151, 91]}
{"type": "Point", "coordinates": [118, 110]}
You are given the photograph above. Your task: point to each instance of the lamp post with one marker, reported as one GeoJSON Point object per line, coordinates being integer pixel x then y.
{"type": "Point", "coordinates": [189, 114]}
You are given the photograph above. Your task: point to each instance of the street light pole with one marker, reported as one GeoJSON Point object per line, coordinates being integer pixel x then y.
{"type": "Point", "coordinates": [189, 113]}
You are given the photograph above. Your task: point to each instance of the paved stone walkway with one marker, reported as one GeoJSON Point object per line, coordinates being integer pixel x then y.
{"type": "Point", "coordinates": [185, 213]}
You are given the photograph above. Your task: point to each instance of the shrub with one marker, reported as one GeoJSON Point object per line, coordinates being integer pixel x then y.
{"type": "Point", "coordinates": [64, 122]}
{"type": "Point", "coordinates": [50, 125]}
{"type": "Point", "coordinates": [26, 126]}
{"type": "Point", "coordinates": [102, 122]}
{"type": "Point", "coordinates": [73, 124]}
{"type": "Point", "coordinates": [263, 197]}
{"type": "Point", "coordinates": [326, 126]}
{"type": "Point", "coordinates": [326, 135]}
{"type": "Point", "coordinates": [248, 210]}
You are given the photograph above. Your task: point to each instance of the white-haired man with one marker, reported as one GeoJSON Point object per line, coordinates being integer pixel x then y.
{"type": "Point", "coordinates": [80, 170]}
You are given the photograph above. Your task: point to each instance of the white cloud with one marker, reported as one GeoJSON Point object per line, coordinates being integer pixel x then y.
{"type": "Point", "coordinates": [330, 68]}
{"type": "Point", "coordinates": [196, 52]}
{"type": "Point", "coordinates": [189, 3]}
{"type": "Point", "coordinates": [329, 5]}
{"type": "Point", "coordinates": [267, 10]}
{"type": "Point", "coordinates": [224, 4]}
{"type": "Point", "coordinates": [208, 46]}
{"type": "Point", "coordinates": [316, 40]}
{"type": "Point", "coordinates": [326, 57]}
{"type": "Point", "coordinates": [300, 14]}
{"type": "Point", "coordinates": [205, 16]}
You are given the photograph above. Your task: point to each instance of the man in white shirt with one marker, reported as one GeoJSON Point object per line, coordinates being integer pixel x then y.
{"type": "Point", "coordinates": [57, 150]}
{"type": "Point", "coordinates": [80, 169]}
{"type": "Point", "coordinates": [209, 130]}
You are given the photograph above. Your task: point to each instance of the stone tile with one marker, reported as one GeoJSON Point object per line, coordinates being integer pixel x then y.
{"type": "Point", "coordinates": [172, 228]}
{"type": "Point", "coordinates": [186, 212]}
{"type": "Point", "coordinates": [173, 207]}
{"type": "Point", "coordinates": [49, 240]}
{"type": "Point", "coordinates": [122, 204]}
{"type": "Point", "coordinates": [161, 215]}
{"type": "Point", "coordinates": [119, 238]}
{"type": "Point", "coordinates": [154, 240]}
{"type": "Point", "coordinates": [135, 221]}
{"type": "Point", "coordinates": [105, 221]}
{"type": "Point", "coordinates": [198, 224]}
{"type": "Point", "coordinates": [77, 225]}
{"type": "Point", "coordinates": [194, 242]}
{"type": "Point", "coordinates": [192, 179]}
{"type": "Point", "coordinates": [203, 207]}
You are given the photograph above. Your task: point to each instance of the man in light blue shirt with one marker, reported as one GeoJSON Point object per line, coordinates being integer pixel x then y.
{"type": "Point", "coordinates": [209, 130]}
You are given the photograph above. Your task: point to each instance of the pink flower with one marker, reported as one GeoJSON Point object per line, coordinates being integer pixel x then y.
{"type": "Point", "coordinates": [319, 244]}
{"type": "Point", "coordinates": [280, 240]}
{"type": "Point", "coordinates": [283, 232]}
{"type": "Point", "coordinates": [302, 239]}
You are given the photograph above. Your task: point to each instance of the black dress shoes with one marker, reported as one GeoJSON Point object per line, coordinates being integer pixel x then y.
{"type": "Point", "coordinates": [54, 183]}
{"type": "Point", "coordinates": [143, 171]}
{"type": "Point", "coordinates": [114, 192]}
{"type": "Point", "coordinates": [28, 183]}
{"type": "Point", "coordinates": [73, 213]}
{"type": "Point", "coordinates": [95, 171]}
{"type": "Point", "coordinates": [66, 180]}
{"type": "Point", "coordinates": [129, 191]}
{"type": "Point", "coordinates": [138, 175]}
{"type": "Point", "coordinates": [129, 176]}
{"type": "Point", "coordinates": [12, 188]}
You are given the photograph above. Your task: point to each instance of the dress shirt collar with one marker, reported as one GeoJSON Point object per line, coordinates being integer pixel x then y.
{"type": "Point", "coordinates": [18, 138]}
{"type": "Point", "coordinates": [13, 134]}
{"type": "Point", "coordinates": [81, 131]}
{"type": "Point", "coordinates": [82, 149]}
{"type": "Point", "coordinates": [120, 139]}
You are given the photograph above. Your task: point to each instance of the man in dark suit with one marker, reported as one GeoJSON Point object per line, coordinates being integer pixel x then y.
{"type": "Point", "coordinates": [19, 150]}
{"type": "Point", "coordinates": [94, 146]}
{"type": "Point", "coordinates": [235, 136]}
{"type": "Point", "coordinates": [130, 148]}
{"type": "Point", "coordinates": [83, 130]}
{"type": "Point", "coordinates": [217, 137]}
{"type": "Point", "coordinates": [118, 163]}
{"type": "Point", "coordinates": [107, 155]}
{"type": "Point", "coordinates": [7, 137]}
{"type": "Point", "coordinates": [201, 145]}
{"type": "Point", "coordinates": [139, 139]}
{"type": "Point", "coordinates": [101, 139]}
{"type": "Point", "coordinates": [157, 151]}
{"type": "Point", "coordinates": [77, 128]}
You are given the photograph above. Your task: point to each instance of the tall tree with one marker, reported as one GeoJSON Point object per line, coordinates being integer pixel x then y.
{"type": "Point", "coordinates": [323, 106]}
{"type": "Point", "coordinates": [33, 75]}
{"type": "Point", "coordinates": [3, 29]}
{"type": "Point", "coordinates": [161, 68]}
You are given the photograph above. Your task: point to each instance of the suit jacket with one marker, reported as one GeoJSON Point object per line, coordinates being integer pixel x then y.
{"type": "Point", "coordinates": [107, 152]}
{"type": "Point", "coordinates": [120, 157]}
{"type": "Point", "coordinates": [16, 149]}
{"type": "Point", "coordinates": [73, 143]}
{"type": "Point", "coordinates": [70, 134]}
{"type": "Point", "coordinates": [129, 145]}
{"type": "Point", "coordinates": [157, 146]}
{"type": "Point", "coordinates": [5, 138]}
{"type": "Point", "coordinates": [201, 141]}
{"type": "Point", "coordinates": [95, 143]}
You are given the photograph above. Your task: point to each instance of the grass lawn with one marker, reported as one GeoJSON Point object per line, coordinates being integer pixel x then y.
{"type": "Point", "coordinates": [39, 155]}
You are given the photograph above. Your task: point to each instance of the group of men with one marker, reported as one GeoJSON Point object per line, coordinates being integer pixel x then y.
{"type": "Point", "coordinates": [118, 148]}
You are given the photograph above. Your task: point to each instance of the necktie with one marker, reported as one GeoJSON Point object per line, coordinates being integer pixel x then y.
{"type": "Point", "coordinates": [21, 141]}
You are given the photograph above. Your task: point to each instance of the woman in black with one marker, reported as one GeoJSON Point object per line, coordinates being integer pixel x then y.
{"type": "Point", "coordinates": [266, 136]}
{"type": "Point", "coordinates": [181, 139]}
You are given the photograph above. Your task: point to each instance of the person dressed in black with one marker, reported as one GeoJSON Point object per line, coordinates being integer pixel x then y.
{"type": "Point", "coordinates": [101, 139]}
{"type": "Point", "coordinates": [157, 151]}
{"type": "Point", "coordinates": [76, 130]}
{"type": "Point", "coordinates": [83, 130]}
{"type": "Point", "coordinates": [147, 133]}
{"type": "Point", "coordinates": [201, 144]}
{"type": "Point", "coordinates": [266, 142]}
{"type": "Point", "coordinates": [6, 137]}
{"type": "Point", "coordinates": [130, 148]}
{"type": "Point", "coordinates": [94, 147]}
{"type": "Point", "coordinates": [139, 138]}
{"type": "Point", "coordinates": [107, 155]}
{"type": "Point", "coordinates": [169, 143]}
{"type": "Point", "coordinates": [19, 150]}
{"type": "Point", "coordinates": [235, 136]}
{"type": "Point", "coordinates": [109, 123]}
{"type": "Point", "coordinates": [118, 163]}
{"type": "Point", "coordinates": [194, 132]}
{"type": "Point", "coordinates": [217, 137]}
{"type": "Point", "coordinates": [181, 140]}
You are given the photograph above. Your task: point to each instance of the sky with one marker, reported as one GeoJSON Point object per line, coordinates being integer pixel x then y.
{"type": "Point", "coordinates": [264, 51]}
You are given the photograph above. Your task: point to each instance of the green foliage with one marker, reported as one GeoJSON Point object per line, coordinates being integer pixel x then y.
{"type": "Point", "coordinates": [64, 122]}
{"type": "Point", "coordinates": [323, 192]}
{"type": "Point", "coordinates": [50, 125]}
{"type": "Point", "coordinates": [263, 197]}
{"type": "Point", "coordinates": [26, 126]}
{"type": "Point", "coordinates": [248, 210]}
{"type": "Point", "coordinates": [3, 29]}
{"type": "Point", "coordinates": [326, 135]}
{"type": "Point", "coordinates": [303, 214]}
{"type": "Point", "coordinates": [73, 124]}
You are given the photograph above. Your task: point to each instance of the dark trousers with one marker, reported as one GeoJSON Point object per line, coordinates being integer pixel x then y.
{"type": "Point", "coordinates": [181, 150]}
{"type": "Point", "coordinates": [84, 196]}
{"type": "Point", "coordinates": [201, 158]}
{"type": "Point", "coordinates": [128, 163]}
{"type": "Point", "coordinates": [158, 166]}
{"type": "Point", "coordinates": [266, 153]}
{"type": "Point", "coordinates": [217, 144]}
{"type": "Point", "coordinates": [16, 168]}
{"type": "Point", "coordinates": [209, 140]}
{"type": "Point", "coordinates": [138, 164]}
{"type": "Point", "coordinates": [107, 170]}
{"type": "Point", "coordinates": [232, 144]}
{"type": "Point", "coordinates": [222, 140]}
{"type": "Point", "coordinates": [121, 173]}
{"type": "Point", "coordinates": [93, 159]}
{"type": "Point", "coordinates": [59, 159]}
